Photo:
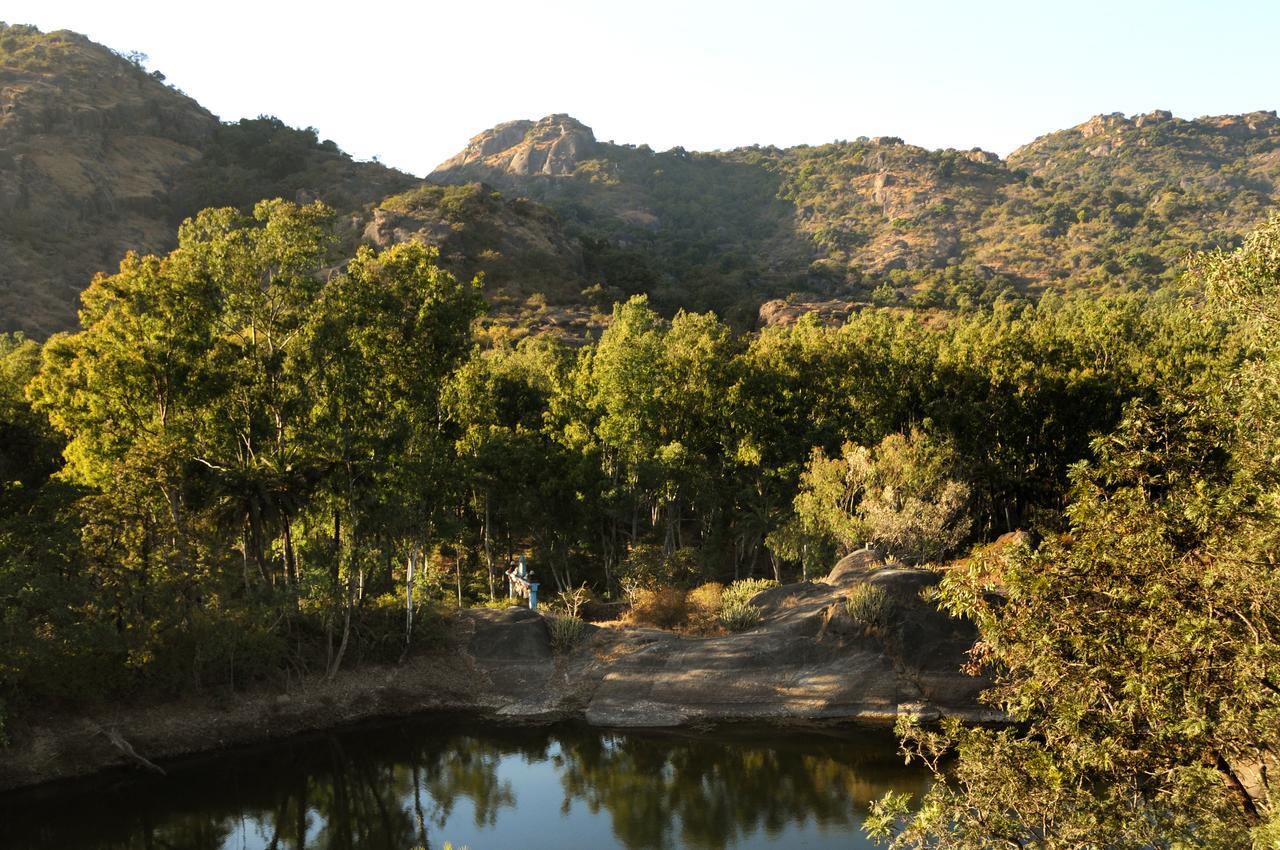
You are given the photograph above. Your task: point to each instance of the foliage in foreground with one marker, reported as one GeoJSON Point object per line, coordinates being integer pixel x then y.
{"type": "Point", "coordinates": [1140, 650]}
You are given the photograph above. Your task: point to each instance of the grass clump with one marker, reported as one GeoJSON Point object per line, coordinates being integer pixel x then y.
{"type": "Point", "coordinates": [566, 632]}
{"type": "Point", "coordinates": [739, 616]}
{"type": "Point", "coordinates": [744, 590]}
{"type": "Point", "coordinates": [869, 606]}
{"type": "Point", "coordinates": [736, 613]}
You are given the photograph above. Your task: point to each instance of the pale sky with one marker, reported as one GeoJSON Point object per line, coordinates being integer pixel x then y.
{"type": "Point", "coordinates": [411, 82]}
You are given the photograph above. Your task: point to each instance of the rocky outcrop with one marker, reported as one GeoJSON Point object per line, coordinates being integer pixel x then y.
{"type": "Point", "coordinates": [533, 271]}
{"type": "Point", "coordinates": [831, 312]}
{"type": "Point", "coordinates": [806, 661]}
{"type": "Point", "coordinates": [518, 245]}
{"type": "Point", "coordinates": [550, 147]}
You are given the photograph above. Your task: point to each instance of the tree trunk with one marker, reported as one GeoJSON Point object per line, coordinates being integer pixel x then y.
{"type": "Point", "coordinates": [488, 549]}
{"type": "Point", "coordinates": [409, 578]}
{"type": "Point", "coordinates": [346, 631]}
{"type": "Point", "coordinates": [334, 576]}
{"type": "Point", "coordinates": [290, 556]}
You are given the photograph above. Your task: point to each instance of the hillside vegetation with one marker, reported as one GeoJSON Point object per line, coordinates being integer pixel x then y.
{"type": "Point", "coordinates": [1113, 204]}
{"type": "Point", "coordinates": [98, 156]}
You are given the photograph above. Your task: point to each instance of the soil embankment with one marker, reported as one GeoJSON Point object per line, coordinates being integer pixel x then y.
{"type": "Point", "coordinates": [807, 661]}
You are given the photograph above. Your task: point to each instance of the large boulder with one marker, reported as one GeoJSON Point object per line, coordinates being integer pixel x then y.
{"type": "Point", "coordinates": [855, 567]}
{"type": "Point", "coordinates": [513, 634]}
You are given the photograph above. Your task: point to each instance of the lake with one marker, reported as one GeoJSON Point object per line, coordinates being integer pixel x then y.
{"type": "Point", "coordinates": [428, 781]}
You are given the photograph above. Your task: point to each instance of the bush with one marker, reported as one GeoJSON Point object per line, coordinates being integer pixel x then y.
{"type": "Point", "coordinates": [869, 606]}
{"type": "Point", "coordinates": [704, 603]}
{"type": "Point", "coordinates": [664, 607]}
{"type": "Point", "coordinates": [744, 590]}
{"type": "Point", "coordinates": [566, 631]}
{"type": "Point", "coordinates": [650, 568]}
{"type": "Point", "coordinates": [571, 601]}
{"type": "Point", "coordinates": [739, 616]}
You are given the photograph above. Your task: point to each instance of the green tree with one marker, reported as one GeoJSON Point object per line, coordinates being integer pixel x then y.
{"type": "Point", "coordinates": [1139, 652]}
{"type": "Point", "coordinates": [902, 495]}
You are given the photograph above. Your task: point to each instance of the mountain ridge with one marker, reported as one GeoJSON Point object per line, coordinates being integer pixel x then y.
{"type": "Point", "coordinates": [1113, 202]}
{"type": "Point", "coordinates": [99, 156]}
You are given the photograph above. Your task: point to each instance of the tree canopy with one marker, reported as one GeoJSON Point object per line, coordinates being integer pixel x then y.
{"type": "Point", "coordinates": [1138, 648]}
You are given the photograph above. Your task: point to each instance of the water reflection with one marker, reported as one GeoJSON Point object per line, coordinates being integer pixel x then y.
{"type": "Point", "coordinates": [418, 784]}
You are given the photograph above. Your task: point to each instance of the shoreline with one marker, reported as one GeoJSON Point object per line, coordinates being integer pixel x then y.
{"type": "Point", "coordinates": [805, 665]}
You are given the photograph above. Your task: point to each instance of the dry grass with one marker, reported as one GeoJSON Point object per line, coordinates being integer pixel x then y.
{"type": "Point", "coordinates": [664, 608]}
{"type": "Point", "coordinates": [704, 603]}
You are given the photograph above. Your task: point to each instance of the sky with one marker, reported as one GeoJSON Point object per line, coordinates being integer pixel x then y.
{"type": "Point", "coordinates": [410, 83]}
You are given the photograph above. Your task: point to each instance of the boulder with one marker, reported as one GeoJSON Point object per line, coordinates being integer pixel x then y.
{"type": "Point", "coordinates": [513, 634]}
{"type": "Point", "coordinates": [855, 567]}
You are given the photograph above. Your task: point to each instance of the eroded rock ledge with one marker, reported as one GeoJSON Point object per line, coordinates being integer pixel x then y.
{"type": "Point", "coordinates": [807, 661]}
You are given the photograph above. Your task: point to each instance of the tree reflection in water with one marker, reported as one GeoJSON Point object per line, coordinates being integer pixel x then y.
{"type": "Point", "coordinates": [417, 784]}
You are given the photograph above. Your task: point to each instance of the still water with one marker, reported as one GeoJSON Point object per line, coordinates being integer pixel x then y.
{"type": "Point", "coordinates": [425, 782]}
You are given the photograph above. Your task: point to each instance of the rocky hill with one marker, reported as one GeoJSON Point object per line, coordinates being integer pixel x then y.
{"type": "Point", "coordinates": [535, 276]}
{"type": "Point", "coordinates": [1115, 203]}
{"type": "Point", "coordinates": [98, 156]}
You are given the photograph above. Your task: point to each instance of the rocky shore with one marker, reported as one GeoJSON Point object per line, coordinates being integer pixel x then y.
{"type": "Point", "coordinates": [806, 662]}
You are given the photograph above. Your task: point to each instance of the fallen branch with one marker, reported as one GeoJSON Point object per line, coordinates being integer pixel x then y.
{"type": "Point", "coordinates": [117, 740]}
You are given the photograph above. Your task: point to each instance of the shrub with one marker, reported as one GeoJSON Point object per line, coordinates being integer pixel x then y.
{"type": "Point", "coordinates": [566, 631]}
{"type": "Point", "coordinates": [571, 601]}
{"type": "Point", "coordinates": [739, 616]}
{"type": "Point", "coordinates": [664, 607]}
{"type": "Point", "coordinates": [704, 603]}
{"type": "Point", "coordinates": [901, 494]}
{"type": "Point", "coordinates": [651, 568]}
{"type": "Point", "coordinates": [869, 606]}
{"type": "Point", "coordinates": [744, 590]}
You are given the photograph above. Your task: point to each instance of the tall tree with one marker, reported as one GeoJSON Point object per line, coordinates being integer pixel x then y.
{"type": "Point", "coordinates": [1139, 653]}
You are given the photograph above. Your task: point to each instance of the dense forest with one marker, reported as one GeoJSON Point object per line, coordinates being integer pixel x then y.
{"type": "Point", "coordinates": [259, 459]}
{"type": "Point", "coordinates": [291, 438]}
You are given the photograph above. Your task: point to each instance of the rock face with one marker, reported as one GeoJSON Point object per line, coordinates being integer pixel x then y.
{"type": "Point", "coordinates": [807, 660]}
{"type": "Point", "coordinates": [550, 147]}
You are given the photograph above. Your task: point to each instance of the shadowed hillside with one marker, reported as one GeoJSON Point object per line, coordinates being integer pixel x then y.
{"type": "Point", "coordinates": [1114, 203]}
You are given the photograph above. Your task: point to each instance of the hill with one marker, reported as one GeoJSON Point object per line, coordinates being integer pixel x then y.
{"type": "Point", "coordinates": [1113, 203]}
{"type": "Point", "coordinates": [98, 156]}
